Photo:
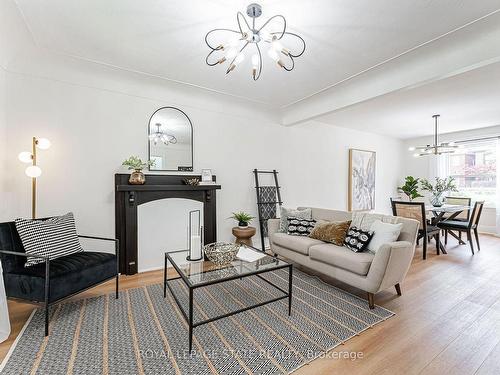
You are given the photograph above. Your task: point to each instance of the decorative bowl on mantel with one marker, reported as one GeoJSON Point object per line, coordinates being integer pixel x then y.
{"type": "Point", "coordinates": [221, 253]}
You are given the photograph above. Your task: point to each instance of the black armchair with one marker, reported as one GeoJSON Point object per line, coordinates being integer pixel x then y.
{"type": "Point", "coordinates": [53, 280]}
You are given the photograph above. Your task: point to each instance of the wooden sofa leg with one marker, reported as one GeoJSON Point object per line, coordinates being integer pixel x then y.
{"type": "Point", "coordinates": [398, 289]}
{"type": "Point", "coordinates": [371, 302]}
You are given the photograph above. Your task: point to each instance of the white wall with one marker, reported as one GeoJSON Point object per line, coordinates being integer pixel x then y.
{"type": "Point", "coordinates": [421, 167]}
{"type": "Point", "coordinates": [94, 129]}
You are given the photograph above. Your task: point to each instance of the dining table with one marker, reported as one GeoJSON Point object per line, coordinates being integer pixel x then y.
{"type": "Point", "coordinates": [438, 215]}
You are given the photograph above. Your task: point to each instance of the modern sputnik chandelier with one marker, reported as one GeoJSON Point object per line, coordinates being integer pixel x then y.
{"type": "Point", "coordinates": [437, 148]}
{"type": "Point", "coordinates": [160, 136]}
{"type": "Point", "coordinates": [238, 42]}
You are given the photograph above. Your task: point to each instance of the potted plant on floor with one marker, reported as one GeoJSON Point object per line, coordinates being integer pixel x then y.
{"type": "Point", "coordinates": [410, 188]}
{"type": "Point", "coordinates": [137, 165]}
{"type": "Point", "coordinates": [242, 218]}
{"type": "Point", "coordinates": [437, 191]}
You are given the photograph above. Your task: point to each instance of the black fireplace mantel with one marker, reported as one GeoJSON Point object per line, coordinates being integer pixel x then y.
{"type": "Point", "coordinates": [129, 197]}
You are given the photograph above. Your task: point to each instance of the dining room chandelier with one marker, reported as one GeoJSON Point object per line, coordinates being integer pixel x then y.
{"type": "Point", "coordinates": [269, 36]}
{"type": "Point", "coordinates": [160, 136]}
{"type": "Point", "coordinates": [437, 148]}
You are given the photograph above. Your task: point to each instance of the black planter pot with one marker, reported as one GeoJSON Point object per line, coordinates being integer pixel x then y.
{"type": "Point", "coordinates": [242, 225]}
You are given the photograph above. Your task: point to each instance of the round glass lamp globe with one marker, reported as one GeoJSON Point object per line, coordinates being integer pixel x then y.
{"type": "Point", "coordinates": [33, 171]}
{"type": "Point", "coordinates": [25, 157]}
{"type": "Point", "coordinates": [43, 143]}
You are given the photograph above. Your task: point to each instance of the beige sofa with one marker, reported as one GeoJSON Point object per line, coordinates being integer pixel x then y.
{"type": "Point", "coordinates": [366, 271]}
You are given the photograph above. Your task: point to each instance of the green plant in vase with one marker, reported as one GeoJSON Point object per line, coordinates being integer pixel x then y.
{"type": "Point", "coordinates": [410, 188]}
{"type": "Point", "coordinates": [437, 190]}
{"type": "Point", "coordinates": [137, 165]}
{"type": "Point", "coordinates": [242, 218]}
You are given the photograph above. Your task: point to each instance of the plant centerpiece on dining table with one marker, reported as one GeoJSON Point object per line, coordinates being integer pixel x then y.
{"type": "Point", "coordinates": [242, 218]}
{"type": "Point", "coordinates": [137, 165]}
{"type": "Point", "coordinates": [410, 188]}
{"type": "Point", "coordinates": [437, 191]}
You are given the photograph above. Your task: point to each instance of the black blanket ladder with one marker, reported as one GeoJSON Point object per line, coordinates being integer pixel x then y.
{"type": "Point", "coordinates": [268, 200]}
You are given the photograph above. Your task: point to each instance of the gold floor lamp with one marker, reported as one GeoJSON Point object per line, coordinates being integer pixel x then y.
{"type": "Point", "coordinates": [33, 170]}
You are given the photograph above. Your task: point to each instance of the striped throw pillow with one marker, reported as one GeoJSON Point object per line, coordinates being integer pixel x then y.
{"type": "Point", "coordinates": [54, 237]}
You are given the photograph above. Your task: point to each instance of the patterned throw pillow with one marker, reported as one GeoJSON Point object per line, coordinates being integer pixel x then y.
{"type": "Point", "coordinates": [54, 237]}
{"type": "Point", "coordinates": [300, 227]}
{"type": "Point", "coordinates": [285, 213]}
{"type": "Point", "coordinates": [333, 232]}
{"type": "Point", "coordinates": [357, 240]}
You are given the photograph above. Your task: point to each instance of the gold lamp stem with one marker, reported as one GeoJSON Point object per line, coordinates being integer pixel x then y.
{"type": "Point", "coordinates": [33, 183]}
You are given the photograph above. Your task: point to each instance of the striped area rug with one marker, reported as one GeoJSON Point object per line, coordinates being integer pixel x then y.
{"type": "Point", "coordinates": [144, 333]}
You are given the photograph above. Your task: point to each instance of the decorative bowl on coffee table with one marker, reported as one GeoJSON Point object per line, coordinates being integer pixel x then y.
{"type": "Point", "coordinates": [221, 253]}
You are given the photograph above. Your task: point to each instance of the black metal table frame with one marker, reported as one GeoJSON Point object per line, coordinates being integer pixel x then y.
{"type": "Point", "coordinates": [191, 287]}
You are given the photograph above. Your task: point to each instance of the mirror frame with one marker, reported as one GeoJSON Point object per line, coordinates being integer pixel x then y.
{"type": "Point", "coordinates": [188, 169]}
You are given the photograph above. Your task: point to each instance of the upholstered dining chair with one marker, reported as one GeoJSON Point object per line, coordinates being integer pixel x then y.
{"type": "Point", "coordinates": [416, 210]}
{"type": "Point", "coordinates": [52, 280]}
{"type": "Point", "coordinates": [460, 201]}
{"type": "Point", "coordinates": [465, 226]}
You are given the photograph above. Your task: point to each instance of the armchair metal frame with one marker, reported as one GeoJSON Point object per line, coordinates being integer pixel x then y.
{"type": "Point", "coordinates": [46, 260]}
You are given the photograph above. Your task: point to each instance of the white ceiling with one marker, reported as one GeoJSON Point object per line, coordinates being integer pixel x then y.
{"type": "Point", "coordinates": [344, 37]}
{"type": "Point", "coordinates": [467, 101]}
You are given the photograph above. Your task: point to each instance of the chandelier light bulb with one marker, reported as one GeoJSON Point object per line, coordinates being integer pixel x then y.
{"type": "Point", "coordinates": [231, 53]}
{"type": "Point", "coordinates": [416, 155]}
{"type": "Point", "coordinates": [277, 45]}
{"type": "Point", "coordinates": [43, 143]}
{"type": "Point", "coordinates": [273, 54]}
{"type": "Point", "coordinates": [239, 58]}
{"type": "Point", "coordinates": [33, 171]}
{"type": "Point", "coordinates": [233, 43]}
{"type": "Point", "coordinates": [255, 61]}
{"type": "Point", "coordinates": [25, 157]}
{"type": "Point", "coordinates": [411, 148]}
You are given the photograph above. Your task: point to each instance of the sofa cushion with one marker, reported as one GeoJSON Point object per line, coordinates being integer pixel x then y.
{"type": "Point", "coordinates": [53, 237]}
{"type": "Point", "coordinates": [300, 227]}
{"type": "Point", "coordinates": [342, 257]}
{"type": "Point", "coordinates": [285, 213]}
{"type": "Point", "coordinates": [299, 244]}
{"type": "Point", "coordinates": [333, 232]}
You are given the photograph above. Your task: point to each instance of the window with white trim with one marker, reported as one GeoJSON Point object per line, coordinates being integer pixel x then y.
{"type": "Point", "coordinates": [474, 167]}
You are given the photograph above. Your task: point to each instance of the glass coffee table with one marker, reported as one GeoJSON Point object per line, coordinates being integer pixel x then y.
{"type": "Point", "coordinates": [198, 274]}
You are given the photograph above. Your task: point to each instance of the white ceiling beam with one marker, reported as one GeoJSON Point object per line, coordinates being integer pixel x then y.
{"type": "Point", "coordinates": [465, 49]}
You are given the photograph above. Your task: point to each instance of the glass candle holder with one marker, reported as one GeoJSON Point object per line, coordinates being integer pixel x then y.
{"type": "Point", "coordinates": [195, 236]}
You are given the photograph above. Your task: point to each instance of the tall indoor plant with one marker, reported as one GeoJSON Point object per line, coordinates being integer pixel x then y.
{"type": "Point", "coordinates": [410, 188]}
{"type": "Point", "coordinates": [437, 190]}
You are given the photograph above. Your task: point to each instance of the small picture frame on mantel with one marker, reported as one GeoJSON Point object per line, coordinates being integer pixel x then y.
{"type": "Point", "coordinates": [206, 177]}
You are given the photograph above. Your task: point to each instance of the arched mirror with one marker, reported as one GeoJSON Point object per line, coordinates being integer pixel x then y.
{"type": "Point", "coordinates": [170, 134]}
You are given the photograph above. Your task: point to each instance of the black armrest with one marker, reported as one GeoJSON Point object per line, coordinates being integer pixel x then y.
{"type": "Point", "coordinates": [115, 240]}
{"type": "Point", "coordinates": [98, 238]}
{"type": "Point", "coordinates": [46, 258]}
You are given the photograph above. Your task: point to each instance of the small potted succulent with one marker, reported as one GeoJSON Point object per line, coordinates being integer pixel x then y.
{"type": "Point", "coordinates": [410, 188]}
{"type": "Point", "coordinates": [137, 165]}
{"type": "Point", "coordinates": [442, 186]}
{"type": "Point", "coordinates": [242, 218]}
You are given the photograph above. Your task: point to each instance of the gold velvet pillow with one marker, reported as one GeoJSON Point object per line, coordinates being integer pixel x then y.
{"type": "Point", "coordinates": [333, 232]}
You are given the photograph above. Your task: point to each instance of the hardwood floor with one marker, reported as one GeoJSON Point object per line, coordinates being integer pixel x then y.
{"type": "Point", "coordinates": [447, 320]}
